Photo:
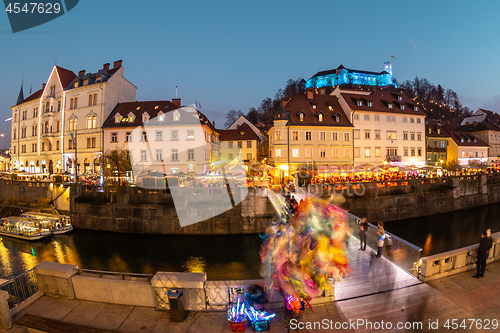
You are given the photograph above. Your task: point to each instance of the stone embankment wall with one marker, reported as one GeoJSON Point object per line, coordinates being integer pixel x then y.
{"type": "Point", "coordinates": [153, 212]}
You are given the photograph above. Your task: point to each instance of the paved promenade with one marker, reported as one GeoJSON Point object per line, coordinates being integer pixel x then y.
{"type": "Point", "coordinates": [372, 293]}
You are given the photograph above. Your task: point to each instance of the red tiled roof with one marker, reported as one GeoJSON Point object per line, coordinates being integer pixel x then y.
{"type": "Point", "coordinates": [66, 76]}
{"type": "Point", "coordinates": [327, 105]}
{"type": "Point", "coordinates": [434, 126]}
{"type": "Point", "coordinates": [137, 109]}
{"type": "Point", "coordinates": [469, 139]}
{"type": "Point", "coordinates": [381, 100]}
{"type": "Point", "coordinates": [243, 132]}
{"type": "Point", "coordinates": [32, 97]}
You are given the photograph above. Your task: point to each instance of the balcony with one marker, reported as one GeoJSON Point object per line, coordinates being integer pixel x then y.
{"type": "Point", "coordinates": [393, 158]}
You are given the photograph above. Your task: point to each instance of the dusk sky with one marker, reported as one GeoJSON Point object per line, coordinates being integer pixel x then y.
{"type": "Point", "coordinates": [232, 54]}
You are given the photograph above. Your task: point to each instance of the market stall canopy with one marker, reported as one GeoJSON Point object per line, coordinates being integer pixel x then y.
{"type": "Point", "coordinates": [237, 170]}
{"type": "Point", "coordinates": [363, 167]}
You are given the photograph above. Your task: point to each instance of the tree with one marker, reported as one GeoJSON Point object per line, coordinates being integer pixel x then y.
{"type": "Point", "coordinates": [232, 116]}
{"type": "Point", "coordinates": [117, 163]}
{"type": "Point", "coordinates": [253, 115]}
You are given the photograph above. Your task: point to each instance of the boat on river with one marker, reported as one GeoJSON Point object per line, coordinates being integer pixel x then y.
{"type": "Point", "coordinates": [57, 224]}
{"type": "Point", "coordinates": [22, 228]}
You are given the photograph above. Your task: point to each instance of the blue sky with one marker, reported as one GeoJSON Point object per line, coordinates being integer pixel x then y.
{"type": "Point", "coordinates": [232, 54]}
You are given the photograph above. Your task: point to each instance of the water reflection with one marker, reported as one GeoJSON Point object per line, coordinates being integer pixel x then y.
{"type": "Point", "coordinates": [194, 265]}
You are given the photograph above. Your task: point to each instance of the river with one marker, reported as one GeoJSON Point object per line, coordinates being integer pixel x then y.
{"type": "Point", "coordinates": [221, 257]}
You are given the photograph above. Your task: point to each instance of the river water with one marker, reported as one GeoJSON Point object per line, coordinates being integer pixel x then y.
{"type": "Point", "coordinates": [221, 257]}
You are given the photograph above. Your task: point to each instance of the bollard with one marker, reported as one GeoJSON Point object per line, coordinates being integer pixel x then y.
{"type": "Point", "coordinates": [177, 311]}
{"type": "Point", "coordinates": [5, 317]}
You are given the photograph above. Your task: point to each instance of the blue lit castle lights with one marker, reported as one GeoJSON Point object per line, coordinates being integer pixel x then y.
{"type": "Point", "coordinates": [342, 76]}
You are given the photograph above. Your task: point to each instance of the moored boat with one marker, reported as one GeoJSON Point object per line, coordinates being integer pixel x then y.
{"type": "Point", "coordinates": [57, 224]}
{"type": "Point", "coordinates": [22, 228]}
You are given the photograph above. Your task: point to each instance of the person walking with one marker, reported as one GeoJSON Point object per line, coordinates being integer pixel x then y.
{"type": "Point", "coordinates": [482, 255]}
{"type": "Point", "coordinates": [363, 230]}
{"type": "Point", "coordinates": [380, 238]}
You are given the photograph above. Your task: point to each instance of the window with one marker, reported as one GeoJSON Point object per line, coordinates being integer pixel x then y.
{"type": "Point", "coordinates": [57, 126]}
{"type": "Point", "coordinates": [368, 152]}
{"type": "Point", "coordinates": [402, 107]}
{"type": "Point", "coordinates": [356, 134]}
{"type": "Point", "coordinates": [442, 144]}
{"type": "Point", "coordinates": [57, 145]}
{"type": "Point", "coordinates": [90, 100]}
{"type": "Point", "coordinates": [412, 152]}
{"type": "Point", "coordinates": [377, 134]}
{"type": "Point", "coordinates": [278, 135]}
{"type": "Point", "coordinates": [392, 151]}
{"type": "Point", "coordinates": [346, 152]}
{"type": "Point", "coordinates": [400, 98]}
{"type": "Point", "coordinates": [295, 152]}
{"type": "Point", "coordinates": [320, 117]}
{"type": "Point", "coordinates": [412, 136]}
{"type": "Point", "coordinates": [356, 116]}
{"type": "Point", "coordinates": [89, 122]}
{"type": "Point", "coordinates": [159, 156]}
{"type": "Point", "coordinates": [439, 131]}
{"type": "Point", "coordinates": [144, 137]}
{"type": "Point", "coordinates": [174, 135]}
{"type": "Point", "coordinates": [357, 152]}
{"type": "Point", "coordinates": [322, 152]}
{"type": "Point", "coordinates": [114, 137]}
{"type": "Point", "coordinates": [230, 157]}
{"type": "Point", "coordinates": [359, 103]}
{"type": "Point", "coordinates": [405, 152]}
{"type": "Point", "coordinates": [240, 144]}
{"type": "Point", "coordinates": [177, 116]}
{"type": "Point", "coordinates": [419, 152]}
{"type": "Point", "coordinates": [337, 118]}
{"type": "Point", "coordinates": [174, 155]}
{"type": "Point", "coordinates": [322, 136]}
{"type": "Point", "coordinates": [419, 136]}
{"type": "Point", "coordinates": [377, 117]}
{"type": "Point", "coordinates": [314, 106]}
{"type": "Point", "coordinates": [128, 137]}
{"type": "Point", "coordinates": [309, 152]}
{"type": "Point", "coordinates": [145, 117]}
{"type": "Point", "coordinates": [405, 119]}
{"type": "Point", "coordinates": [301, 116]}
{"type": "Point", "coordinates": [377, 152]}
{"type": "Point", "coordinates": [70, 144]}
{"type": "Point", "coordinates": [346, 136]}
{"type": "Point", "coordinates": [391, 135]}
{"type": "Point", "coordinates": [389, 105]}
{"type": "Point", "coordinates": [334, 136]}
{"type": "Point", "coordinates": [143, 156]}
{"type": "Point", "coordinates": [391, 119]}
{"type": "Point", "coordinates": [412, 120]}
{"type": "Point", "coordinates": [278, 152]}
{"type": "Point", "coordinates": [159, 135]}
{"type": "Point", "coordinates": [335, 152]}
{"type": "Point", "coordinates": [190, 155]}
{"type": "Point", "coordinates": [308, 136]}
{"type": "Point", "coordinates": [89, 143]}
{"type": "Point", "coordinates": [230, 144]}
{"type": "Point", "coordinates": [405, 135]}
{"type": "Point", "coordinates": [58, 105]}
{"type": "Point", "coordinates": [367, 134]}
{"type": "Point", "coordinates": [249, 144]}
{"type": "Point", "coordinates": [370, 104]}
{"type": "Point", "coordinates": [367, 117]}
{"type": "Point", "coordinates": [249, 156]}
{"type": "Point", "coordinates": [418, 120]}
{"type": "Point", "coordinates": [415, 108]}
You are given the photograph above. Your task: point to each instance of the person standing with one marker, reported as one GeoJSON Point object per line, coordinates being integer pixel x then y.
{"type": "Point", "coordinates": [363, 230]}
{"type": "Point", "coordinates": [380, 239]}
{"type": "Point", "coordinates": [482, 255]}
{"type": "Point", "coordinates": [488, 235]}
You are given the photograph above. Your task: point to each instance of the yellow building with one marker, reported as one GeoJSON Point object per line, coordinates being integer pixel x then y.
{"type": "Point", "coordinates": [311, 134]}
{"type": "Point", "coordinates": [241, 143]}
{"type": "Point", "coordinates": [465, 148]}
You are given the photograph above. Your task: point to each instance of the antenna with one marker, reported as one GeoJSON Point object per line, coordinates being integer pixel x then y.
{"type": "Point", "coordinates": [175, 91]}
{"type": "Point", "coordinates": [31, 86]}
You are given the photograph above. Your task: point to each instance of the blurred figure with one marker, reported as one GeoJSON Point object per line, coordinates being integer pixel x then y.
{"type": "Point", "coordinates": [363, 230]}
{"type": "Point", "coordinates": [380, 238]}
{"type": "Point", "coordinates": [482, 255]}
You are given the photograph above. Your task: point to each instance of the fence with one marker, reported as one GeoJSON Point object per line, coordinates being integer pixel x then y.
{"type": "Point", "coordinates": [21, 288]}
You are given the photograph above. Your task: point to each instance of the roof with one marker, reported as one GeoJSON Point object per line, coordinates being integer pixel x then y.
{"type": "Point", "coordinates": [65, 75]}
{"type": "Point", "coordinates": [478, 127]}
{"type": "Point", "coordinates": [35, 95]}
{"type": "Point", "coordinates": [20, 97]}
{"type": "Point", "coordinates": [327, 105]}
{"type": "Point", "coordinates": [434, 126]}
{"type": "Point", "coordinates": [381, 99]}
{"type": "Point", "coordinates": [334, 71]}
{"type": "Point", "coordinates": [468, 139]}
{"type": "Point", "coordinates": [243, 132]}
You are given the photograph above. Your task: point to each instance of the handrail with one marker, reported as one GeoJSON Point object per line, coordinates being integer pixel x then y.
{"type": "Point", "coordinates": [122, 274]}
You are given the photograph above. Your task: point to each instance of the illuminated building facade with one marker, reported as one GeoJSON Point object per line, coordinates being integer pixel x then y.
{"type": "Point", "coordinates": [58, 127]}
{"type": "Point", "coordinates": [345, 76]}
{"type": "Point", "coordinates": [437, 143]}
{"type": "Point", "coordinates": [487, 132]}
{"type": "Point", "coordinates": [310, 133]}
{"type": "Point", "coordinates": [467, 149]}
{"type": "Point", "coordinates": [163, 137]}
{"type": "Point", "coordinates": [389, 127]}
{"type": "Point", "coordinates": [242, 141]}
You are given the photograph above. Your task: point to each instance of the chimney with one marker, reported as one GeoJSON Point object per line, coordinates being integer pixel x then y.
{"type": "Point", "coordinates": [309, 93]}
{"type": "Point", "coordinates": [117, 64]}
{"type": "Point", "coordinates": [43, 86]}
{"type": "Point", "coordinates": [106, 66]}
{"type": "Point", "coordinates": [81, 73]}
{"type": "Point", "coordinates": [177, 102]}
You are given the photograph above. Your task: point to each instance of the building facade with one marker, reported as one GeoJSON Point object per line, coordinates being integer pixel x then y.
{"type": "Point", "coordinates": [59, 127]}
{"type": "Point", "coordinates": [488, 133]}
{"type": "Point", "coordinates": [239, 144]}
{"type": "Point", "coordinates": [388, 126]}
{"type": "Point", "coordinates": [466, 149]}
{"type": "Point", "coordinates": [437, 143]}
{"type": "Point", "coordinates": [311, 133]}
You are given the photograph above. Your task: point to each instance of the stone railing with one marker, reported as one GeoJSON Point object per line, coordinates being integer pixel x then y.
{"type": "Point", "coordinates": [457, 261]}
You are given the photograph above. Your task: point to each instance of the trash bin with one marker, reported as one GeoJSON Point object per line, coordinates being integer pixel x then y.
{"type": "Point", "coordinates": [177, 311]}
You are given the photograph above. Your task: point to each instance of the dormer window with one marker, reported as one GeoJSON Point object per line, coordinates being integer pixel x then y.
{"type": "Point", "coordinates": [177, 116]}
{"type": "Point", "coordinates": [145, 117]}
{"type": "Point", "coordinates": [402, 107]}
{"type": "Point", "coordinates": [161, 116]}
{"type": "Point", "coordinates": [389, 105]}
{"type": "Point", "coordinates": [337, 118]}
{"type": "Point", "coordinates": [462, 140]}
{"type": "Point", "coordinates": [301, 116]}
{"type": "Point", "coordinates": [439, 131]}
{"type": "Point", "coordinates": [475, 140]}
{"type": "Point", "coordinates": [400, 98]}
{"type": "Point", "coordinates": [359, 103]}
{"type": "Point", "coordinates": [156, 107]}
{"type": "Point", "coordinates": [320, 117]}
{"type": "Point", "coordinates": [118, 118]}
{"type": "Point", "coordinates": [314, 106]}
{"type": "Point", "coordinates": [330, 108]}
{"type": "Point", "coordinates": [131, 117]}
{"type": "Point", "coordinates": [468, 140]}
{"type": "Point", "coordinates": [415, 108]}
{"type": "Point", "coordinates": [370, 104]}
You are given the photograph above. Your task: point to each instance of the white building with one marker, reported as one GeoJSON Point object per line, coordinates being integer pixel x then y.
{"type": "Point", "coordinates": [388, 126]}
{"type": "Point", "coordinates": [62, 121]}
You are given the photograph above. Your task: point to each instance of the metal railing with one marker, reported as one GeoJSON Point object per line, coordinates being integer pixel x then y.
{"type": "Point", "coordinates": [115, 275]}
{"type": "Point", "coordinates": [21, 288]}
